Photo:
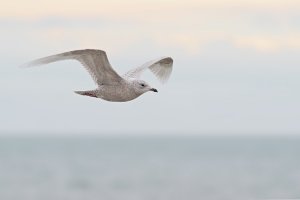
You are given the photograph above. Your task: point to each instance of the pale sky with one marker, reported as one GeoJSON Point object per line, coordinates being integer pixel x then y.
{"type": "Point", "coordinates": [236, 66]}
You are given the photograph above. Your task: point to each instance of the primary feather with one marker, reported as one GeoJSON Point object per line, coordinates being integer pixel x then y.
{"type": "Point", "coordinates": [161, 68]}
{"type": "Point", "coordinates": [95, 62]}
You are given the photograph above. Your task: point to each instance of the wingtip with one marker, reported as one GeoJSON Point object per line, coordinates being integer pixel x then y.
{"type": "Point", "coordinates": [167, 60]}
{"type": "Point", "coordinates": [29, 64]}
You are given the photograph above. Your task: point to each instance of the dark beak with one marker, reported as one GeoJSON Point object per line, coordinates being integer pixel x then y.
{"type": "Point", "coordinates": [154, 90]}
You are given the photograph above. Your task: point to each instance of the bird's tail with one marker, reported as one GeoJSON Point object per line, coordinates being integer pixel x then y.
{"type": "Point", "coordinates": [91, 93]}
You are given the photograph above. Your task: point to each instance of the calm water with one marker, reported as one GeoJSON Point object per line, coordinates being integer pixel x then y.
{"type": "Point", "coordinates": [149, 168]}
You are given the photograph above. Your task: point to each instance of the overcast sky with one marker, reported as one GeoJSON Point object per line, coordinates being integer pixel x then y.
{"type": "Point", "coordinates": [236, 66]}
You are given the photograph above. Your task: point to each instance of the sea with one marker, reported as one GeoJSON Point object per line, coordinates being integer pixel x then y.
{"type": "Point", "coordinates": [134, 167]}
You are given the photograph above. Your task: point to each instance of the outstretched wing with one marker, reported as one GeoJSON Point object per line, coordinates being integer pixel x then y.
{"type": "Point", "coordinates": [161, 68]}
{"type": "Point", "coordinates": [95, 62]}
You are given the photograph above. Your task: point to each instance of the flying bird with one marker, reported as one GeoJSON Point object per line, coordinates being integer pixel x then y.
{"type": "Point", "coordinates": [110, 85]}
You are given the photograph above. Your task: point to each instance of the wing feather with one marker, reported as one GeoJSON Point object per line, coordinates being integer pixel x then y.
{"type": "Point", "coordinates": [95, 61]}
{"type": "Point", "coordinates": [161, 68]}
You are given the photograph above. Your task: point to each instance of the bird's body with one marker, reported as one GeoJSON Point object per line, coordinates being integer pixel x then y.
{"type": "Point", "coordinates": [110, 85]}
{"type": "Point", "coordinates": [116, 93]}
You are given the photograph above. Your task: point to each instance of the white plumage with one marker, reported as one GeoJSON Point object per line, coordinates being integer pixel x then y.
{"type": "Point", "coordinates": [110, 85]}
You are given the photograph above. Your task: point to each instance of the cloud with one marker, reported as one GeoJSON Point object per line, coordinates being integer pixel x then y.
{"type": "Point", "coordinates": [269, 44]}
{"type": "Point", "coordinates": [134, 8]}
{"type": "Point", "coordinates": [206, 38]}
{"type": "Point", "coordinates": [264, 26]}
{"type": "Point", "coordinates": [119, 36]}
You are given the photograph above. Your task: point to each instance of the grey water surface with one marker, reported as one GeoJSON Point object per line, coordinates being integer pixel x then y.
{"type": "Point", "coordinates": [149, 168]}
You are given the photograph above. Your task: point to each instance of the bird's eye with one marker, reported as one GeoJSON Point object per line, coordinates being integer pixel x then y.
{"type": "Point", "coordinates": [143, 85]}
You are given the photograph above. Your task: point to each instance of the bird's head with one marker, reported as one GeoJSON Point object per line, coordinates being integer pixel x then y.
{"type": "Point", "coordinates": [141, 87]}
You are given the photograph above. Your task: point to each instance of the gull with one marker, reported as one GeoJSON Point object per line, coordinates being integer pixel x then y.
{"type": "Point", "coordinates": [110, 85]}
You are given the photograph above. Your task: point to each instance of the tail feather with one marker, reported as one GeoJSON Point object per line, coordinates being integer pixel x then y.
{"type": "Point", "coordinates": [91, 93]}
